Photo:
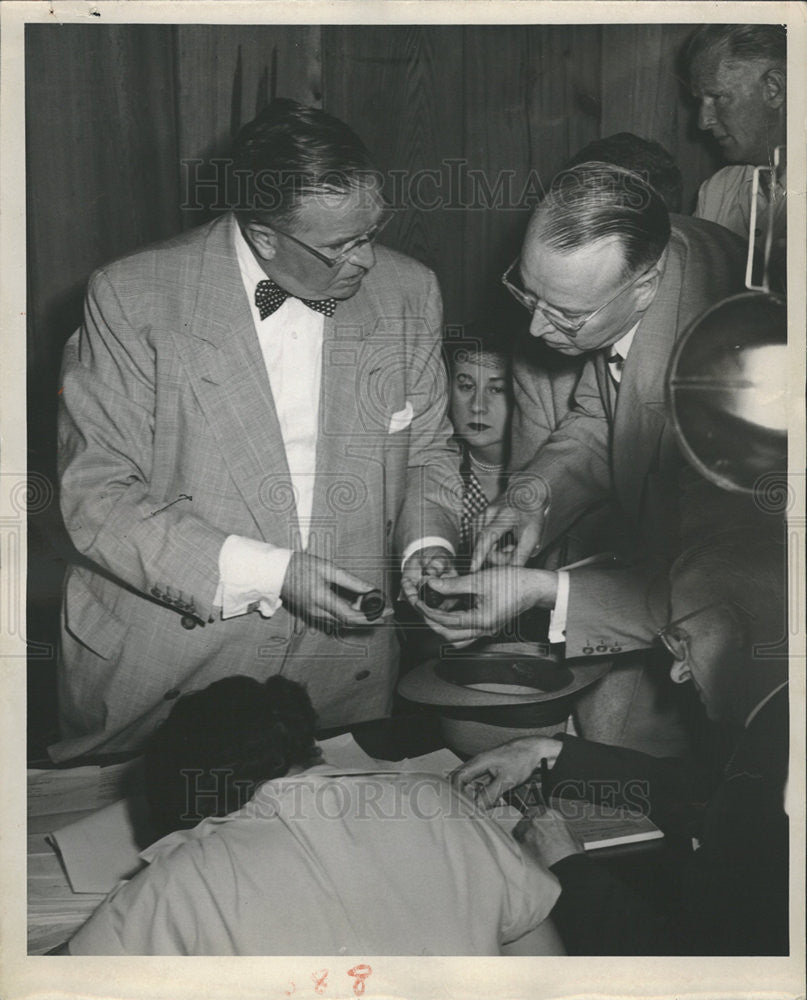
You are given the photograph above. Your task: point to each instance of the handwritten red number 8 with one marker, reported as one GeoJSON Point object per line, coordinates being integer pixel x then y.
{"type": "Point", "coordinates": [359, 973]}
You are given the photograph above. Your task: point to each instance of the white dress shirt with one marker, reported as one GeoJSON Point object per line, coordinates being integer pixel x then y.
{"type": "Point", "coordinates": [251, 572]}
{"type": "Point", "coordinates": [725, 198]}
{"type": "Point", "coordinates": [559, 614]}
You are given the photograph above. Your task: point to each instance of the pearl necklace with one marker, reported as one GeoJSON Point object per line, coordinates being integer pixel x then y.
{"type": "Point", "coordinates": [483, 466]}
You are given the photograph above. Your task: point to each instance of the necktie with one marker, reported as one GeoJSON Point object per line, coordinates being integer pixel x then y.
{"type": "Point", "coordinates": [615, 365]}
{"type": "Point", "coordinates": [269, 297]}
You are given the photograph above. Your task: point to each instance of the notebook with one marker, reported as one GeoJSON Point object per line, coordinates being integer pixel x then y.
{"type": "Point", "coordinates": [596, 826]}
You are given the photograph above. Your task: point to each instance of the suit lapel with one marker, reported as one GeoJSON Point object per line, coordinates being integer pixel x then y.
{"type": "Point", "coordinates": [343, 437]}
{"type": "Point", "coordinates": [640, 414]}
{"type": "Point", "coordinates": [226, 367]}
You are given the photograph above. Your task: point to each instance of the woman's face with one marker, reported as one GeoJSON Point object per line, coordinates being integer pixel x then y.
{"type": "Point", "coordinates": [480, 399]}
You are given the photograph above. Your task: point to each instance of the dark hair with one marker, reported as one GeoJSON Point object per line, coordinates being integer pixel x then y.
{"type": "Point", "coordinates": [745, 564]}
{"type": "Point", "coordinates": [219, 744]}
{"type": "Point", "coordinates": [740, 41]}
{"type": "Point", "coordinates": [485, 336]}
{"type": "Point", "coordinates": [645, 157]}
{"type": "Point", "coordinates": [291, 150]}
{"type": "Point", "coordinates": [593, 201]}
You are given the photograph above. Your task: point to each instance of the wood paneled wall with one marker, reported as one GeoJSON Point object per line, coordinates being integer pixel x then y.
{"type": "Point", "coordinates": [112, 113]}
{"type": "Point", "coordinates": [510, 103]}
{"type": "Point", "coordinates": [225, 75]}
{"type": "Point", "coordinates": [101, 136]}
{"type": "Point", "coordinates": [492, 111]}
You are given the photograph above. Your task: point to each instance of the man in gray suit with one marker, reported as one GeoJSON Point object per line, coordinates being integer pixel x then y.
{"type": "Point", "coordinates": [252, 435]}
{"type": "Point", "coordinates": [606, 276]}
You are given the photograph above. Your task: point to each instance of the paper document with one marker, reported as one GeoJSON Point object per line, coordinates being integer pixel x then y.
{"type": "Point", "coordinates": [344, 751]}
{"type": "Point", "coordinates": [103, 848]}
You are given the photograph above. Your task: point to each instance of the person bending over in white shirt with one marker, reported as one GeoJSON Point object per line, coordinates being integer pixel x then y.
{"type": "Point", "coordinates": [293, 856]}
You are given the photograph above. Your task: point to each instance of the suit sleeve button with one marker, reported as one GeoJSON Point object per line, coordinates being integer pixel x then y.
{"type": "Point", "coordinates": [616, 649]}
{"type": "Point", "coordinates": [362, 675]}
{"type": "Point", "coordinates": [171, 695]}
{"type": "Point", "coordinates": [602, 649]}
{"type": "Point", "coordinates": [588, 649]}
{"type": "Point", "coordinates": [156, 592]}
{"type": "Point", "coordinates": [188, 621]}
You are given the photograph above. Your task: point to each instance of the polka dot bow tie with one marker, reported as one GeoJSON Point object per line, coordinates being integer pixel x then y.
{"type": "Point", "coordinates": [269, 297]}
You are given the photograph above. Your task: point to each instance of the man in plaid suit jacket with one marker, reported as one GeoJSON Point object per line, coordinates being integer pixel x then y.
{"type": "Point", "coordinates": [252, 434]}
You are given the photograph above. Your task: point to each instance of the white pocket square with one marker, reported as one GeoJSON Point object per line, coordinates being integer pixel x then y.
{"type": "Point", "coordinates": [402, 419]}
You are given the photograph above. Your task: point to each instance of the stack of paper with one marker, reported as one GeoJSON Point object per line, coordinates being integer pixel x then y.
{"type": "Point", "coordinates": [57, 798]}
{"type": "Point", "coordinates": [64, 792]}
{"type": "Point", "coordinates": [55, 912]}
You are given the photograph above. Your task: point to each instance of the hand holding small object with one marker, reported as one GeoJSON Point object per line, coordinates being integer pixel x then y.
{"type": "Point", "coordinates": [493, 598]}
{"type": "Point", "coordinates": [489, 775]}
{"type": "Point", "coordinates": [423, 566]}
{"type": "Point", "coordinates": [320, 590]}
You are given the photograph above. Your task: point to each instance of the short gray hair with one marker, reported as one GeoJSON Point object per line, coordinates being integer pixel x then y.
{"type": "Point", "coordinates": [745, 42]}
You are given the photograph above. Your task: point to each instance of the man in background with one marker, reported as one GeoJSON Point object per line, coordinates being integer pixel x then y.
{"type": "Point", "coordinates": [252, 435]}
{"type": "Point", "coordinates": [738, 74]}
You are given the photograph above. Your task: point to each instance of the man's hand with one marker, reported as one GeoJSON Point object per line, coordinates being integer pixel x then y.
{"type": "Point", "coordinates": [307, 591]}
{"type": "Point", "coordinates": [425, 564]}
{"type": "Point", "coordinates": [512, 526]}
{"type": "Point", "coordinates": [489, 775]}
{"type": "Point", "coordinates": [497, 596]}
{"type": "Point", "coordinates": [545, 834]}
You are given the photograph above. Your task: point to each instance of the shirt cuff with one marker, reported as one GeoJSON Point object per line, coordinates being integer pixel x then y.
{"type": "Point", "coordinates": [557, 617]}
{"type": "Point", "coordinates": [251, 575]}
{"type": "Point", "coordinates": [424, 543]}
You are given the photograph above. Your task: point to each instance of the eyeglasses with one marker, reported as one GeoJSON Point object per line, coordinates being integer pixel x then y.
{"type": "Point", "coordinates": [675, 640]}
{"type": "Point", "coordinates": [560, 321]}
{"type": "Point", "coordinates": [347, 249]}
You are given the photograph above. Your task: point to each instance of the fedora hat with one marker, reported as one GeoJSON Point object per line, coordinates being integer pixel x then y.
{"type": "Point", "coordinates": [499, 675]}
{"type": "Point", "coordinates": [499, 691]}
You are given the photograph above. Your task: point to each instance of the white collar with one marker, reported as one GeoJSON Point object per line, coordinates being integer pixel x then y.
{"type": "Point", "coordinates": [622, 346]}
{"type": "Point", "coordinates": [251, 270]}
